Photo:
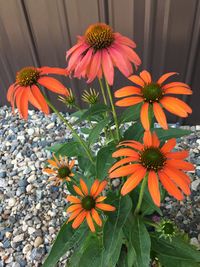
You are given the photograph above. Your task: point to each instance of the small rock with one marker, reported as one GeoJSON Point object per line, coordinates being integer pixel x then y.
{"type": "Point", "coordinates": [50, 125]}
{"type": "Point", "coordinates": [11, 202]}
{"type": "Point", "coordinates": [18, 238]}
{"type": "Point", "coordinates": [30, 131]}
{"type": "Point", "coordinates": [31, 178]}
{"type": "Point", "coordinates": [2, 174]}
{"type": "Point", "coordinates": [195, 184]}
{"type": "Point", "coordinates": [29, 188]}
{"type": "Point", "coordinates": [26, 248]}
{"type": "Point", "coordinates": [38, 241]}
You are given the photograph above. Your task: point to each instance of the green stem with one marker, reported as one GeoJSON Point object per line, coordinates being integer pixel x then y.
{"type": "Point", "coordinates": [155, 225]}
{"type": "Point", "coordinates": [103, 92]}
{"type": "Point", "coordinates": [82, 142]}
{"type": "Point", "coordinates": [113, 110]}
{"type": "Point", "coordinates": [137, 209]}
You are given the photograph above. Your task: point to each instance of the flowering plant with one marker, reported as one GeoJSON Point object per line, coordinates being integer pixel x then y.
{"type": "Point", "coordinates": [119, 173]}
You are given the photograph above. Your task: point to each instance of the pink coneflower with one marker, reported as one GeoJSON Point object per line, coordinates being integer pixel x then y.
{"type": "Point", "coordinates": [99, 51]}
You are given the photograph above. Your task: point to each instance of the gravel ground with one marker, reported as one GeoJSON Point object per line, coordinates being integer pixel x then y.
{"type": "Point", "coordinates": [32, 211]}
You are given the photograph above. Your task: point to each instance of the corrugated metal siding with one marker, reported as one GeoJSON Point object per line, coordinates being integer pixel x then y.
{"type": "Point", "coordinates": [38, 32]}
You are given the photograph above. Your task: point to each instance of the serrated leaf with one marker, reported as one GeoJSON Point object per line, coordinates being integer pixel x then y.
{"type": "Point", "coordinates": [134, 132]}
{"type": "Point", "coordinates": [70, 149]}
{"type": "Point", "coordinates": [66, 239]}
{"type": "Point", "coordinates": [95, 132]}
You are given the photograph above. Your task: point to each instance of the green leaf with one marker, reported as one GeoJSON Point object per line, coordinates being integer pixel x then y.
{"type": "Point", "coordinates": [140, 241]}
{"type": "Point", "coordinates": [54, 148]}
{"type": "Point", "coordinates": [175, 253]}
{"type": "Point", "coordinates": [171, 133]}
{"type": "Point", "coordinates": [96, 109]}
{"type": "Point", "coordinates": [95, 132]}
{"type": "Point", "coordinates": [123, 259]}
{"type": "Point", "coordinates": [87, 255]}
{"type": "Point", "coordinates": [66, 239]}
{"type": "Point", "coordinates": [112, 230]}
{"type": "Point", "coordinates": [85, 130]}
{"type": "Point", "coordinates": [134, 132]}
{"type": "Point", "coordinates": [104, 160]}
{"type": "Point", "coordinates": [130, 114]}
{"type": "Point", "coordinates": [70, 149]}
{"type": "Point", "coordinates": [78, 113]}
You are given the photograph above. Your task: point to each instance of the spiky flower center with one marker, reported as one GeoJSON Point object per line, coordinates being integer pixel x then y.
{"type": "Point", "coordinates": [27, 76]}
{"type": "Point", "coordinates": [152, 158]}
{"type": "Point", "coordinates": [152, 92]}
{"type": "Point", "coordinates": [64, 172]}
{"type": "Point", "coordinates": [88, 203]}
{"type": "Point", "coordinates": [99, 36]}
{"type": "Point", "coordinates": [168, 228]}
{"type": "Point", "coordinates": [90, 97]}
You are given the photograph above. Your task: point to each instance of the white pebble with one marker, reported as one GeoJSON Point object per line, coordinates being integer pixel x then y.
{"type": "Point", "coordinates": [11, 202]}
{"type": "Point", "coordinates": [38, 241]}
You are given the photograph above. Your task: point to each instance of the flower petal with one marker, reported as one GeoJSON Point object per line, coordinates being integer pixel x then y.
{"type": "Point", "coordinates": [78, 190]}
{"type": "Point", "coordinates": [170, 186]}
{"type": "Point", "coordinates": [155, 140]}
{"type": "Point", "coordinates": [147, 138]}
{"type": "Point", "coordinates": [74, 214]}
{"type": "Point", "coordinates": [125, 152]}
{"type": "Point", "coordinates": [133, 180]}
{"type": "Point", "coordinates": [160, 115]}
{"type": "Point", "coordinates": [146, 76]}
{"type": "Point", "coordinates": [84, 187]}
{"type": "Point", "coordinates": [144, 116]}
{"type": "Point", "coordinates": [165, 77]}
{"type": "Point", "coordinates": [137, 80]}
{"type": "Point", "coordinates": [127, 91]}
{"type": "Point", "coordinates": [105, 207]}
{"type": "Point", "coordinates": [180, 164]}
{"type": "Point", "coordinates": [124, 170]}
{"type": "Point", "coordinates": [40, 99]}
{"type": "Point", "coordinates": [100, 188]}
{"type": "Point", "coordinates": [121, 162]}
{"type": "Point", "coordinates": [169, 145]}
{"type": "Point", "coordinates": [74, 207]}
{"type": "Point", "coordinates": [53, 70]}
{"type": "Point", "coordinates": [94, 187]}
{"type": "Point", "coordinates": [79, 219]}
{"type": "Point", "coordinates": [108, 68]}
{"type": "Point", "coordinates": [153, 186]}
{"type": "Point", "coordinates": [94, 66]}
{"type": "Point", "coordinates": [178, 91]}
{"type": "Point", "coordinates": [96, 217]}
{"type": "Point", "coordinates": [175, 84]}
{"type": "Point", "coordinates": [73, 199]}
{"type": "Point", "coordinates": [53, 85]}
{"type": "Point", "coordinates": [90, 222]}
{"type": "Point", "coordinates": [178, 154]}
{"type": "Point", "coordinates": [175, 106]}
{"type": "Point", "coordinates": [129, 101]}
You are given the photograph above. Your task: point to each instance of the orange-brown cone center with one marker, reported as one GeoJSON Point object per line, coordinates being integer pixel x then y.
{"type": "Point", "coordinates": [27, 76]}
{"type": "Point", "coordinates": [99, 36]}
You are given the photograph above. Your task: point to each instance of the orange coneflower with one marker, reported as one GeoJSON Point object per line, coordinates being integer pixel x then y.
{"type": "Point", "coordinates": [61, 170]}
{"type": "Point", "coordinates": [156, 162]}
{"type": "Point", "coordinates": [25, 89]}
{"type": "Point", "coordinates": [86, 204]}
{"type": "Point", "coordinates": [154, 94]}
{"type": "Point", "coordinates": [98, 51]}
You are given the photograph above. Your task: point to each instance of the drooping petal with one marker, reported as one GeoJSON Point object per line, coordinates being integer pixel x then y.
{"type": "Point", "coordinates": [160, 115]}
{"type": "Point", "coordinates": [153, 186]}
{"type": "Point", "coordinates": [124, 152]}
{"type": "Point", "coordinates": [127, 91]}
{"type": "Point", "coordinates": [79, 219]}
{"type": "Point", "coordinates": [169, 145]}
{"type": "Point", "coordinates": [119, 61]}
{"type": "Point", "coordinates": [129, 101]}
{"type": "Point", "coordinates": [165, 76]}
{"type": "Point", "coordinates": [10, 92]}
{"type": "Point", "coordinates": [74, 214]}
{"type": "Point", "coordinates": [133, 180]}
{"type": "Point", "coordinates": [53, 85]}
{"type": "Point", "coordinates": [73, 49]}
{"type": "Point", "coordinates": [84, 187]}
{"type": "Point", "coordinates": [107, 66]}
{"type": "Point", "coordinates": [73, 199]}
{"type": "Point", "coordinates": [144, 116]}
{"type": "Point", "coordinates": [146, 76]}
{"type": "Point", "coordinates": [124, 40]}
{"type": "Point", "coordinates": [24, 103]}
{"type": "Point", "coordinates": [52, 163]}
{"type": "Point", "coordinates": [90, 222]}
{"type": "Point", "coordinates": [175, 106]}
{"type": "Point", "coordinates": [124, 170]}
{"type": "Point", "coordinates": [170, 186]}
{"type": "Point", "coordinates": [33, 100]}
{"type": "Point", "coordinates": [137, 145]}
{"type": "Point", "coordinates": [94, 66]}
{"type": "Point", "coordinates": [121, 162]}
{"type": "Point", "coordinates": [40, 99]}
{"type": "Point", "coordinates": [180, 164]}
{"type": "Point", "coordinates": [84, 63]}
{"type": "Point", "coordinates": [105, 207]}
{"type": "Point", "coordinates": [172, 173]}
{"type": "Point", "coordinates": [96, 217]}
{"type": "Point", "coordinates": [100, 199]}
{"type": "Point", "coordinates": [137, 80]}
{"type": "Point", "coordinates": [130, 53]}
{"type": "Point", "coordinates": [147, 138]}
